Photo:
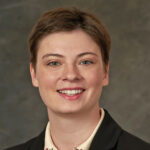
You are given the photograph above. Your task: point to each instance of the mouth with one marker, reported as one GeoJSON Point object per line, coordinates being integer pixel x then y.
{"type": "Point", "coordinates": [71, 93]}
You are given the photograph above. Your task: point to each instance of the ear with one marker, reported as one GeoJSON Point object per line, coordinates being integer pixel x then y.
{"type": "Point", "coordinates": [33, 75]}
{"type": "Point", "coordinates": [106, 76]}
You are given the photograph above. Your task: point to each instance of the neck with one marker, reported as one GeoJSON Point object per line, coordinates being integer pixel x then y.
{"type": "Point", "coordinates": [71, 130]}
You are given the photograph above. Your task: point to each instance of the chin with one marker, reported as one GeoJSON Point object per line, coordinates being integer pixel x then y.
{"type": "Point", "coordinates": [65, 111]}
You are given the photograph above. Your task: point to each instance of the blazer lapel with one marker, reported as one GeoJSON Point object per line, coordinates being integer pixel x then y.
{"type": "Point", "coordinates": [107, 134]}
{"type": "Point", "coordinates": [38, 143]}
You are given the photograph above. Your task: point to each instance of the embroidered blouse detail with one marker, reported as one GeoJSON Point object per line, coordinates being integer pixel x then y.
{"type": "Point", "coordinates": [52, 149]}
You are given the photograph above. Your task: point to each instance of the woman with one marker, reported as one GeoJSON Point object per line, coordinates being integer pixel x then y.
{"type": "Point", "coordinates": [69, 51]}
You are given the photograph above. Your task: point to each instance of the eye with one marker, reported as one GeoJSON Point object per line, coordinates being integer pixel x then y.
{"type": "Point", "coordinates": [86, 62]}
{"type": "Point", "coordinates": [53, 63]}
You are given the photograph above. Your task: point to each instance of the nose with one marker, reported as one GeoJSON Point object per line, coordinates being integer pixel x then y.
{"type": "Point", "coordinates": [71, 73]}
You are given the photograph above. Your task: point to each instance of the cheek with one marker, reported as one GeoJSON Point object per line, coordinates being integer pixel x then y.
{"type": "Point", "coordinates": [47, 79]}
{"type": "Point", "coordinates": [94, 78]}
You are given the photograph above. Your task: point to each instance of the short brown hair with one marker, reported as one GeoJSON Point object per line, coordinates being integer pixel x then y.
{"type": "Point", "coordinates": [68, 19]}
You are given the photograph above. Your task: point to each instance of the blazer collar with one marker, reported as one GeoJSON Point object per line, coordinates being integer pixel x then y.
{"type": "Point", "coordinates": [107, 135]}
{"type": "Point", "coordinates": [38, 143]}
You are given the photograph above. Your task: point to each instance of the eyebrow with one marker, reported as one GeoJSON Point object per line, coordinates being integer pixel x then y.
{"type": "Point", "coordinates": [49, 54]}
{"type": "Point", "coordinates": [87, 53]}
{"type": "Point", "coordinates": [61, 56]}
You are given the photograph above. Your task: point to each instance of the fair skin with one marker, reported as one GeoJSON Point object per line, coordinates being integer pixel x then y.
{"type": "Point", "coordinates": [70, 75]}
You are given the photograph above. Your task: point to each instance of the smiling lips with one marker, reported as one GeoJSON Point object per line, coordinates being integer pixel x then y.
{"type": "Point", "coordinates": [71, 93]}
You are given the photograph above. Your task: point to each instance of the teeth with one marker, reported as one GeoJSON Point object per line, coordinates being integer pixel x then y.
{"type": "Point", "coordinates": [70, 92]}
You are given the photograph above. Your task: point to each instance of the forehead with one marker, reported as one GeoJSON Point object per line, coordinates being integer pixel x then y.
{"type": "Point", "coordinates": [72, 42]}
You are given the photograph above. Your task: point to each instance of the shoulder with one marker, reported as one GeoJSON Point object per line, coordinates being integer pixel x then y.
{"type": "Point", "coordinates": [32, 144]}
{"type": "Point", "coordinates": [129, 141]}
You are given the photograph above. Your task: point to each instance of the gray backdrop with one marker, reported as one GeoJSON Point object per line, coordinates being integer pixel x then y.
{"type": "Point", "coordinates": [22, 113]}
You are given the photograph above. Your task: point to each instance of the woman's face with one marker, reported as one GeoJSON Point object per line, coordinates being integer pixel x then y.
{"type": "Point", "coordinates": [69, 72]}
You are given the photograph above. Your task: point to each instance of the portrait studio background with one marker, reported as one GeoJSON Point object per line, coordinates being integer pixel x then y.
{"type": "Point", "coordinates": [127, 98]}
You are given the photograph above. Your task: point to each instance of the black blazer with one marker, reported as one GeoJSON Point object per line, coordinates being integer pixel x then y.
{"type": "Point", "coordinates": [109, 136]}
